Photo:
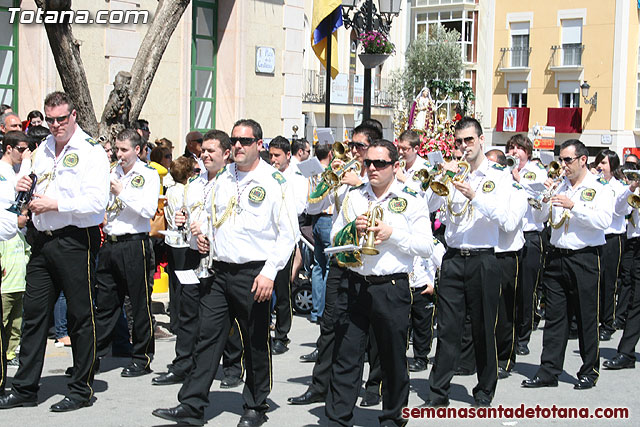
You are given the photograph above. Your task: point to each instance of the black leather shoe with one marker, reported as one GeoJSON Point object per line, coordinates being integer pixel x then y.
{"type": "Point", "coordinates": [620, 362]}
{"type": "Point", "coordinates": [585, 383]}
{"type": "Point", "coordinates": [68, 404]}
{"type": "Point", "coordinates": [463, 372]}
{"type": "Point", "coordinates": [619, 324]}
{"type": "Point", "coordinates": [370, 399]}
{"type": "Point", "coordinates": [230, 382]}
{"type": "Point", "coordinates": [135, 370]}
{"type": "Point", "coordinates": [180, 415]}
{"type": "Point", "coordinates": [12, 400]}
{"type": "Point", "coordinates": [482, 403]}
{"type": "Point", "coordinates": [307, 398]}
{"type": "Point", "coordinates": [167, 379]}
{"type": "Point", "coordinates": [522, 350]}
{"type": "Point", "coordinates": [279, 347]}
{"type": "Point", "coordinates": [435, 404]}
{"type": "Point", "coordinates": [417, 365]}
{"type": "Point", "coordinates": [537, 382]}
{"type": "Point", "coordinates": [503, 373]}
{"type": "Point", "coordinates": [252, 418]}
{"type": "Point", "coordinates": [605, 335]}
{"type": "Point", "coordinates": [311, 357]}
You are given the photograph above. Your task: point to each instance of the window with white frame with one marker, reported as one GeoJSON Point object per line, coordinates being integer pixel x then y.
{"type": "Point", "coordinates": [459, 20]}
{"type": "Point", "coordinates": [569, 94]}
{"type": "Point", "coordinates": [520, 44]}
{"type": "Point", "coordinates": [517, 94]}
{"type": "Point", "coordinates": [571, 42]}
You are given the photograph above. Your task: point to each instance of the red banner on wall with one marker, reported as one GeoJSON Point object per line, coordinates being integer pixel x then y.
{"type": "Point", "coordinates": [512, 119]}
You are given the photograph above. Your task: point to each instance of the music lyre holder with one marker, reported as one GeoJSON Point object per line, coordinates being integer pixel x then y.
{"type": "Point", "coordinates": [24, 197]}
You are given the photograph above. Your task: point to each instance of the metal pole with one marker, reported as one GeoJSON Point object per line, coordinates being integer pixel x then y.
{"type": "Point", "coordinates": [327, 85]}
{"type": "Point", "coordinates": [366, 102]}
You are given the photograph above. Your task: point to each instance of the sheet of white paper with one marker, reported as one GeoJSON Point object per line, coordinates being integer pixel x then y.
{"type": "Point", "coordinates": [537, 187]}
{"type": "Point", "coordinates": [187, 277]}
{"type": "Point", "coordinates": [435, 158]}
{"type": "Point", "coordinates": [310, 167]}
{"type": "Point", "coordinates": [546, 156]}
{"type": "Point", "coordinates": [335, 249]}
{"type": "Point", "coordinates": [325, 136]}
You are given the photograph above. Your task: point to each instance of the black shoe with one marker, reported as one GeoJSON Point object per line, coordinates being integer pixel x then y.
{"type": "Point", "coordinates": [537, 382]}
{"type": "Point", "coordinates": [573, 334]}
{"type": "Point", "coordinates": [68, 404]}
{"type": "Point", "coordinates": [503, 373]}
{"type": "Point", "coordinates": [252, 418]}
{"type": "Point", "coordinates": [620, 362]}
{"type": "Point", "coordinates": [619, 324]}
{"type": "Point", "coordinates": [180, 415]}
{"type": "Point", "coordinates": [135, 370]}
{"type": "Point", "coordinates": [12, 400]}
{"type": "Point", "coordinates": [482, 403]}
{"type": "Point", "coordinates": [605, 335]}
{"type": "Point", "coordinates": [13, 363]}
{"type": "Point", "coordinates": [167, 379]}
{"type": "Point", "coordinates": [522, 350]}
{"type": "Point", "coordinates": [370, 399]}
{"type": "Point", "coordinates": [307, 398]}
{"type": "Point", "coordinates": [417, 365]}
{"type": "Point", "coordinates": [279, 347]}
{"type": "Point", "coordinates": [311, 357]}
{"type": "Point", "coordinates": [435, 404]}
{"type": "Point", "coordinates": [463, 372]}
{"type": "Point", "coordinates": [585, 383]}
{"type": "Point", "coordinates": [230, 382]}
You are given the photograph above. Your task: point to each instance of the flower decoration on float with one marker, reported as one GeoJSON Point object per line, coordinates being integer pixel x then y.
{"type": "Point", "coordinates": [439, 138]}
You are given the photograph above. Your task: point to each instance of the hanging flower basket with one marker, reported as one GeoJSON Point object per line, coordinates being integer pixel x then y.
{"type": "Point", "coordinates": [372, 60]}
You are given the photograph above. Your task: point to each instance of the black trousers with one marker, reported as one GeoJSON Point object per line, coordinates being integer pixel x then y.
{"type": "Point", "coordinates": [505, 328]}
{"type": "Point", "coordinates": [374, 379]}
{"type": "Point", "coordinates": [631, 332]}
{"type": "Point", "coordinates": [422, 314]}
{"type": "Point", "coordinates": [229, 297]}
{"type": "Point", "coordinates": [284, 311]}
{"type": "Point", "coordinates": [385, 307]}
{"type": "Point", "coordinates": [232, 356]}
{"type": "Point", "coordinates": [467, 359]}
{"type": "Point", "coordinates": [530, 272]}
{"type": "Point", "coordinates": [466, 283]}
{"type": "Point", "coordinates": [64, 262]}
{"type": "Point", "coordinates": [336, 278]}
{"type": "Point", "coordinates": [123, 269]}
{"type": "Point", "coordinates": [610, 257]}
{"type": "Point", "coordinates": [3, 348]}
{"type": "Point", "coordinates": [571, 280]}
{"type": "Point", "coordinates": [178, 259]}
{"type": "Point", "coordinates": [625, 290]}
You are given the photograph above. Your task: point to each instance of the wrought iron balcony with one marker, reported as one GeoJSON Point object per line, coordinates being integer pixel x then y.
{"type": "Point", "coordinates": [350, 94]}
{"type": "Point", "coordinates": [514, 58]}
{"type": "Point", "coordinates": [566, 56]}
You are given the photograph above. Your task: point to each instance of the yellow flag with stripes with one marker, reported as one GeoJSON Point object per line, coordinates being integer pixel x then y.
{"type": "Point", "coordinates": [326, 19]}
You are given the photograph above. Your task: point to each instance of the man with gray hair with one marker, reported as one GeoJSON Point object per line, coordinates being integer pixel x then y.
{"type": "Point", "coordinates": [10, 121]}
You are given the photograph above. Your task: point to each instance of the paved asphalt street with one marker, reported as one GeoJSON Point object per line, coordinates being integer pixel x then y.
{"type": "Point", "coordinates": [129, 401]}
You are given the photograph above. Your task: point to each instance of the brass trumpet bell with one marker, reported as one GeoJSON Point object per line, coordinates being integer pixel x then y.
{"type": "Point", "coordinates": [374, 215]}
{"type": "Point", "coordinates": [340, 151]}
{"type": "Point", "coordinates": [631, 175]}
{"type": "Point", "coordinates": [634, 201]}
{"type": "Point", "coordinates": [441, 188]}
{"type": "Point", "coordinates": [554, 169]}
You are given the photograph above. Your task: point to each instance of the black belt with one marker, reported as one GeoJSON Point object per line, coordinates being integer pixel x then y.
{"type": "Point", "coordinates": [573, 251]}
{"type": "Point", "coordinates": [250, 264]}
{"type": "Point", "coordinates": [507, 254]}
{"type": "Point", "coordinates": [526, 233]}
{"type": "Point", "coordinates": [471, 252]}
{"type": "Point", "coordinates": [62, 231]}
{"type": "Point", "coordinates": [378, 280]}
{"type": "Point", "coordinates": [125, 237]}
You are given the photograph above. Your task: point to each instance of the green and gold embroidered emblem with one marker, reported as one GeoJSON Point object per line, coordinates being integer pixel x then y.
{"type": "Point", "coordinates": [256, 195]}
{"type": "Point", "coordinates": [138, 181]}
{"type": "Point", "coordinates": [488, 186]}
{"type": "Point", "coordinates": [2, 178]}
{"type": "Point", "coordinates": [92, 141]}
{"type": "Point", "coordinates": [518, 186]}
{"type": "Point", "coordinates": [410, 191]}
{"type": "Point", "coordinates": [498, 166]}
{"type": "Point", "coordinates": [278, 177]}
{"type": "Point", "coordinates": [530, 175]}
{"type": "Point", "coordinates": [70, 160]}
{"type": "Point", "coordinates": [398, 204]}
{"type": "Point", "coordinates": [588, 194]}
{"type": "Point", "coordinates": [603, 181]}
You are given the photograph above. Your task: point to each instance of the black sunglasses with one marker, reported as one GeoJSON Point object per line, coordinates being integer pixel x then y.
{"type": "Point", "coordinates": [467, 140]}
{"type": "Point", "coordinates": [568, 160]}
{"type": "Point", "coordinates": [21, 149]}
{"type": "Point", "coordinates": [60, 120]}
{"type": "Point", "coordinates": [245, 142]}
{"type": "Point", "coordinates": [357, 145]}
{"type": "Point", "coordinates": [378, 164]}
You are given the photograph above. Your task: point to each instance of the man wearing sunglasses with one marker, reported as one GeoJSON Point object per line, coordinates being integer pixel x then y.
{"type": "Point", "coordinates": [15, 149]}
{"type": "Point", "coordinates": [254, 232]}
{"type": "Point", "coordinates": [193, 147]}
{"type": "Point", "coordinates": [408, 144]}
{"type": "Point", "coordinates": [377, 297]}
{"type": "Point", "coordinates": [582, 209]}
{"type": "Point", "coordinates": [472, 213]}
{"type": "Point", "coordinates": [68, 204]}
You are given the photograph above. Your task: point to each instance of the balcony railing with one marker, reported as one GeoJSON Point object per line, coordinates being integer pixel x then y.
{"type": "Point", "coordinates": [515, 57]}
{"type": "Point", "coordinates": [314, 91]}
{"type": "Point", "coordinates": [567, 55]}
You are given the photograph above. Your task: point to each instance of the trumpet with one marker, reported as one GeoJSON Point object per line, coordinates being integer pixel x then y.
{"type": "Point", "coordinates": [426, 176]}
{"type": "Point", "coordinates": [631, 174]}
{"type": "Point", "coordinates": [512, 162]}
{"type": "Point", "coordinates": [554, 170]}
{"type": "Point", "coordinates": [403, 164]}
{"type": "Point", "coordinates": [333, 176]}
{"type": "Point", "coordinates": [340, 151]}
{"type": "Point", "coordinates": [185, 228]}
{"type": "Point", "coordinates": [634, 201]}
{"type": "Point", "coordinates": [369, 248]}
{"type": "Point", "coordinates": [203, 269]}
{"type": "Point", "coordinates": [441, 187]}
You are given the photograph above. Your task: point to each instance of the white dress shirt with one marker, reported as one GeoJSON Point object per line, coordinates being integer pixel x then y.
{"type": "Point", "coordinates": [8, 181]}
{"type": "Point", "coordinates": [478, 227]}
{"type": "Point", "coordinates": [411, 234]}
{"type": "Point", "coordinates": [264, 228]}
{"type": "Point", "coordinates": [176, 200]}
{"type": "Point", "coordinates": [510, 232]}
{"type": "Point", "coordinates": [620, 207]}
{"type": "Point", "coordinates": [138, 200]}
{"type": "Point", "coordinates": [199, 204]}
{"type": "Point", "coordinates": [417, 165]}
{"type": "Point", "coordinates": [424, 269]}
{"type": "Point", "coordinates": [530, 173]}
{"type": "Point", "coordinates": [8, 220]}
{"type": "Point", "coordinates": [78, 179]}
{"type": "Point", "coordinates": [300, 187]}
